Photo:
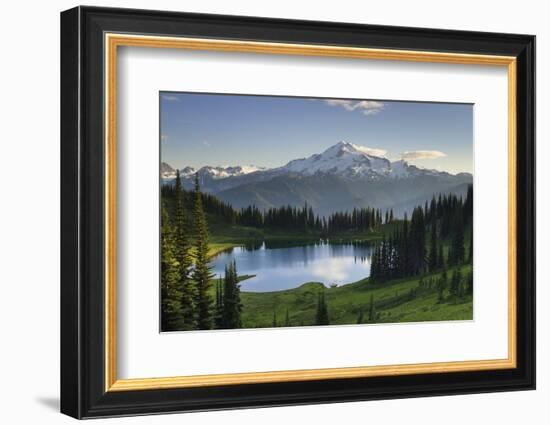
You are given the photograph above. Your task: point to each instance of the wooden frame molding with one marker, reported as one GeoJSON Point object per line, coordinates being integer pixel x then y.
{"type": "Point", "coordinates": [114, 40]}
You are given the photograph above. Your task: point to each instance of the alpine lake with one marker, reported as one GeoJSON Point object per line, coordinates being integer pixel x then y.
{"type": "Point", "coordinates": [278, 266]}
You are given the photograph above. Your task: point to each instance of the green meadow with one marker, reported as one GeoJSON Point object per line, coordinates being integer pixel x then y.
{"type": "Point", "coordinates": [401, 300]}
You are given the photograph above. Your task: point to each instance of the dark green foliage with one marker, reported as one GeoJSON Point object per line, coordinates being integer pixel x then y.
{"type": "Point", "coordinates": [456, 284]}
{"type": "Point", "coordinates": [201, 272]}
{"type": "Point", "coordinates": [372, 309]}
{"type": "Point", "coordinates": [404, 253]}
{"type": "Point", "coordinates": [433, 262]}
{"type": "Point", "coordinates": [441, 212]}
{"type": "Point", "coordinates": [218, 312]}
{"type": "Point", "coordinates": [456, 253]}
{"type": "Point", "coordinates": [469, 283]}
{"type": "Point", "coordinates": [232, 306]}
{"type": "Point", "coordinates": [321, 317]}
{"type": "Point", "coordinates": [211, 204]}
{"type": "Point", "coordinates": [250, 216]}
{"type": "Point", "coordinates": [303, 219]}
{"type": "Point", "coordinates": [469, 205]}
{"type": "Point", "coordinates": [287, 319]}
{"type": "Point", "coordinates": [417, 241]}
{"type": "Point", "coordinates": [360, 317]}
{"type": "Point", "coordinates": [287, 218]}
{"type": "Point", "coordinates": [183, 254]}
{"type": "Point", "coordinates": [471, 249]}
{"type": "Point", "coordinates": [440, 258]}
{"type": "Point", "coordinates": [391, 258]}
{"type": "Point", "coordinates": [441, 287]}
{"type": "Point", "coordinates": [274, 323]}
{"type": "Point", "coordinates": [172, 319]}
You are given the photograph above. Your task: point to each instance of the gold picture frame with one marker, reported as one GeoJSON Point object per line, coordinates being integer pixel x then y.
{"type": "Point", "coordinates": [113, 41]}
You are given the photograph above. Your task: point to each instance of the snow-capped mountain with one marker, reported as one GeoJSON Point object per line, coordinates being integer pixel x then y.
{"type": "Point", "coordinates": [353, 161]}
{"type": "Point", "coordinates": [343, 159]}
{"type": "Point", "coordinates": [342, 177]}
{"type": "Point", "coordinates": [229, 171]}
{"type": "Point", "coordinates": [166, 171]}
{"type": "Point", "coordinates": [169, 173]}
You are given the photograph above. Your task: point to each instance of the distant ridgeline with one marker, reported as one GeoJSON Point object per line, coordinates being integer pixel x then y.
{"type": "Point", "coordinates": [287, 218]}
{"type": "Point", "coordinates": [442, 211]}
{"type": "Point", "coordinates": [342, 177]}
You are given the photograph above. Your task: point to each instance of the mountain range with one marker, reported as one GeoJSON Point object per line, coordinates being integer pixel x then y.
{"type": "Point", "coordinates": [342, 177]}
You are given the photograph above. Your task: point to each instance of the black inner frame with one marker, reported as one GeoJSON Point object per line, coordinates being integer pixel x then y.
{"type": "Point", "coordinates": [82, 212]}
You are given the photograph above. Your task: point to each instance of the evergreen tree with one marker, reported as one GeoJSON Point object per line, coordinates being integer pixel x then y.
{"type": "Point", "coordinates": [360, 317]}
{"type": "Point", "coordinates": [374, 275]}
{"type": "Point", "coordinates": [432, 259]}
{"type": "Point", "coordinates": [456, 283]}
{"type": "Point", "coordinates": [404, 258]}
{"type": "Point", "coordinates": [404, 252]}
{"type": "Point", "coordinates": [218, 316]}
{"type": "Point", "coordinates": [201, 273]}
{"type": "Point", "coordinates": [417, 241]}
{"type": "Point", "coordinates": [470, 283]}
{"type": "Point", "coordinates": [469, 205]}
{"type": "Point", "coordinates": [441, 287]}
{"type": "Point", "coordinates": [322, 310]}
{"type": "Point", "coordinates": [183, 255]}
{"type": "Point", "coordinates": [384, 266]}
{"type": "Point", "coordinates": [471, 250]}
{"type": "Point", "coordinates": [441, 258]}
{"type": "Point", "coordinates": [287, 319]}
{"type": "Point", "coordinates": [456, 256]}
{"type": "Point", "coordinates": [274, 323]}
{"type": "Point", "coordinates": [171, 317]}
{"type": "Point", "coordinates": [232, 306]}
{"type": "Point", "coordinates": [372, 309]}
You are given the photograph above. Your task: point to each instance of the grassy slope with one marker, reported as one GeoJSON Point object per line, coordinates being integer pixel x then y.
{"type": "Point", "coordinates": [345, 302]}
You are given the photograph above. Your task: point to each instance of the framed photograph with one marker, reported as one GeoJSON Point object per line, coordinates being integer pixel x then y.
{"type": "Point", "coordinates": [261, 212]}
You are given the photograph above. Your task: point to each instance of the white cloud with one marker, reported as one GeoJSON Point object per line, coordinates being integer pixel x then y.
{"type": "Point", "coordinates": [346, 104]}
{"type": "Point", "coordinates": [367, 107]}
{"type": "Point", "coordinates": [170, 98]}
{"type": "Point", "coordinates": [411, 155]}
{"type": "Point", "coordinates": [372, 151]}
{"type": "Point", "coordinates": [206, 143]}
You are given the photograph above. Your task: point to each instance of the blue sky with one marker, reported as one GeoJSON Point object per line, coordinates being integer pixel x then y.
{"type": "Point", "coordinates": [209, 129]}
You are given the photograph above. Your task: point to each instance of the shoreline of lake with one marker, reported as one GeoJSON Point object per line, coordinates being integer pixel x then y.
{"type": "Point", "coordinates": [281, 267]}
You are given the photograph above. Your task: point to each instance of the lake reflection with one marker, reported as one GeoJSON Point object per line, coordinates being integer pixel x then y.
{"type": "Point", "coordinates": [278, 268]}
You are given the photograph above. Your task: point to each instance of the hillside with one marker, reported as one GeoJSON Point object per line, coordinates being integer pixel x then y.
{"type": "Point", "coordinates": [328, 193]}
{"type": "Point", "coordinates": [399, 300]}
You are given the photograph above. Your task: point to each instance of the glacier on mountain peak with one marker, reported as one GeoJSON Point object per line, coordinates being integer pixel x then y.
{"type": "Point", "coordinates": [344, 159]}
